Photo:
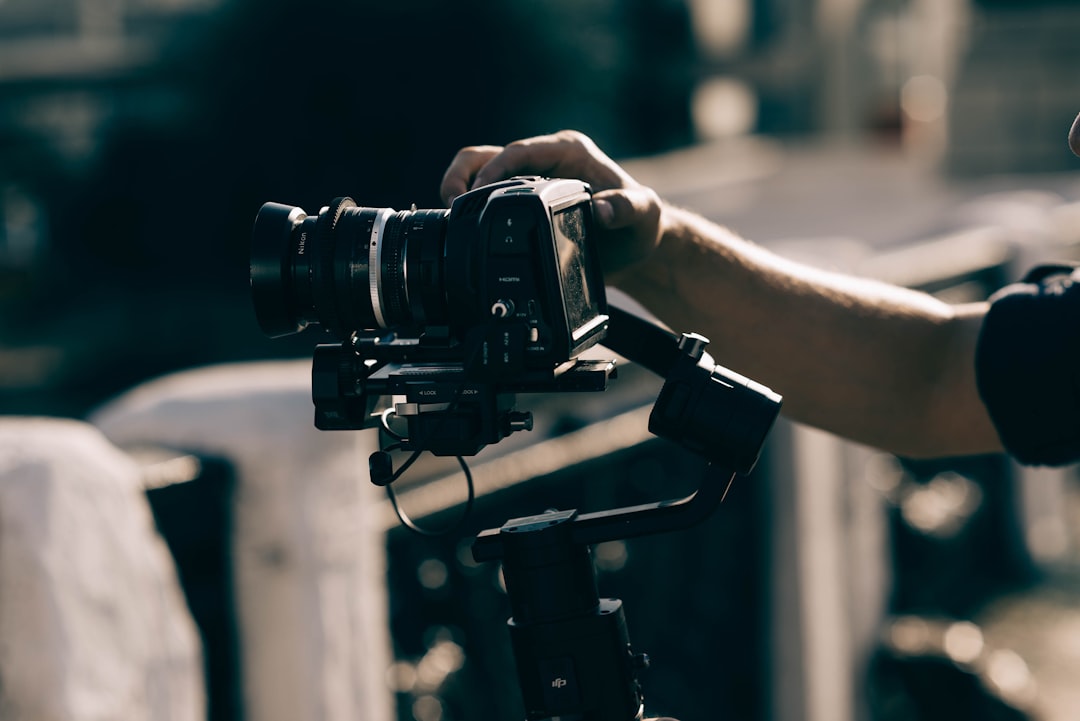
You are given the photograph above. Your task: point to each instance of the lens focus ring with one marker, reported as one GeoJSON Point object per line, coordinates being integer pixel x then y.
{"type": "Point", "coordinates": [323, 281]}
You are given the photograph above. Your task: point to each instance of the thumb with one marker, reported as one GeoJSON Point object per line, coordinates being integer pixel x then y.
{"type": "Point", "coordinates": [625, 207]}
{"type": "Point", "coordinates": [629, 221]}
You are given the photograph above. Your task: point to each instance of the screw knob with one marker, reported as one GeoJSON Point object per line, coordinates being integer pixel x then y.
{"type": "Point", "coordinates": [693, 345]}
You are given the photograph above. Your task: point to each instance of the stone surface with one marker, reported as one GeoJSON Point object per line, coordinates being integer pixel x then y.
{"type": "Point", "coordinates": [309, 554]}
{"type": "Point", "coordinates": [93, 624]}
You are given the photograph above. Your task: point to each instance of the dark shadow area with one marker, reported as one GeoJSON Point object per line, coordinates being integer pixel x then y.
{"type": "Point", "coordinates": [138, 239]}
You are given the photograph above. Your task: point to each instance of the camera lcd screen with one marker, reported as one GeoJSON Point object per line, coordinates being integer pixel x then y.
{"type": "Point", "coordinates": [581, 282]}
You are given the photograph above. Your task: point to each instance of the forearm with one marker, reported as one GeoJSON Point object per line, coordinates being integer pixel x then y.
{"type": "Point", "coordinates": [881, 365]}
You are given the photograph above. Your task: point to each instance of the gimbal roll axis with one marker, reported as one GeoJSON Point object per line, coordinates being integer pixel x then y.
{"type": "Point", "coordinates": [572, 649]}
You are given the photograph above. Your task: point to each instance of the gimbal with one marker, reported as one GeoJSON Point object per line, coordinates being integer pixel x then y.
{"type": "Point", "coordinates": [572, 648]}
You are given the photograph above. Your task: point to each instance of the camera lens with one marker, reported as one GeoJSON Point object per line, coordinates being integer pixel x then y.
{"type": "Point", "coordinates": [348, 268]}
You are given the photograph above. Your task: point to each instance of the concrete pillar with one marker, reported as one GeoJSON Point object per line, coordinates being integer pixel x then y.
{"type": "Point", "coordinates": [309, 551]}
{"type": "Point", "coordinates": [93, 624]}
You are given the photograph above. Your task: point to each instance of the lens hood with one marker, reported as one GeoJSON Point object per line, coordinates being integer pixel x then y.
{"type": "Point", "coordinates": [272, 287]}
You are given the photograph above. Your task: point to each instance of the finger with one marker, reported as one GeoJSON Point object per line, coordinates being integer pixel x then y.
{"type": "Point", "coordinates": [1074, 136]}
{"type": "Point", "coordinates": [463, 168]}
{"type": "Point", "coordinates": [565, 154]}
{"type": "Point", "coordinates": [522, 157]}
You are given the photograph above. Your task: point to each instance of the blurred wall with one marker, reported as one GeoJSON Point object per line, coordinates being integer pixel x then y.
{"type": "Point", "coordinates": [133, 165]}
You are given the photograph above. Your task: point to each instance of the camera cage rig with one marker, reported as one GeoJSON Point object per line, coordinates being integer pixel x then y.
{"type": "Point", "coordinates": [571, 647]}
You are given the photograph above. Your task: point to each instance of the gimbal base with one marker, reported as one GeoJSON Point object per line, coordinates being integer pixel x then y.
{"type": "Point", "coordinates": [572, 648]}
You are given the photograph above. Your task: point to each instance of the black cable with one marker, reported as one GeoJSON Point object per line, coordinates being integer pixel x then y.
{"type": "Point", "coordinates": [384, 421]}
{"type": "Point", "coordinates": [416, 528]}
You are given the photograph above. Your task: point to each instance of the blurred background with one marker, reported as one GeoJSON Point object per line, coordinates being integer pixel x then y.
{"type": "Point", "coordinates": [919, 141]}
{"type": "Point", "coordinates": [139, 137]}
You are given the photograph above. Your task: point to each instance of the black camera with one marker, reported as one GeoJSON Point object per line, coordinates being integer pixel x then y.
{"type": "Point", "coordinates": [452, 310]}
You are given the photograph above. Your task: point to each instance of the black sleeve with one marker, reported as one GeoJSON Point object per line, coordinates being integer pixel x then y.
{"type": "Point", "coordinates": [1027, 366]}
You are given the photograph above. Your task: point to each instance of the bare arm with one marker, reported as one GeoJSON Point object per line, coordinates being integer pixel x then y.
{"type": "Point", "coordinates": [869, 361]}
{"type": "Point", "coordinates": [872, 362]}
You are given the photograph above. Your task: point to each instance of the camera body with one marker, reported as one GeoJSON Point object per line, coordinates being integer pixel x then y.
{"type": "Point", "coordinates": [524, 286]}
{"type": "Point", "coordinates": [449, 312]}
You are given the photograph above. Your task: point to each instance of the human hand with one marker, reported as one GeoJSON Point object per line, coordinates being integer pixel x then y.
{"type": "Point", "coordinates": [627, 213]}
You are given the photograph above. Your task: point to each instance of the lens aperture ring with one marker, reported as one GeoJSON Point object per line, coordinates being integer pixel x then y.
{"type": "Point", "coordinates": [375, 250]}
